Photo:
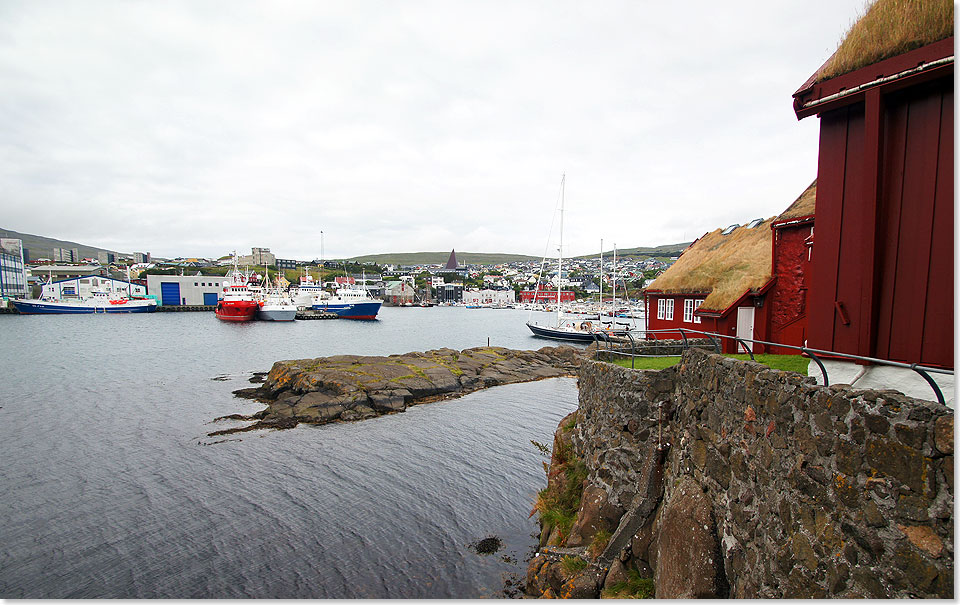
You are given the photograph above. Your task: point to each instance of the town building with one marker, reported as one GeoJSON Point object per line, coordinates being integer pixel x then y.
{"type": "Point", "coordinates": [141, 257]}
{"type": "Point", "coordinates": [397, 293]}
{"type": "Point", "coordinates": [718, 285]}
{"type": "Point", "coordinates": [174, 290]}
{"type": "Point", "coordinates": [106, 258]}
{"type": "Point", "coordinates": [57, 272]}
{"type": "Point", "coordinates": [546, 296]}
{"type": "Point", "coordinates": [66, 255]}
{"type": "Point", "coordinates": [488, 297]}
{"type": "Point", "coordinates": [450, 293]}
{"type": "Point", "coordinates": [883, 254]}
{"type": "Point", "coordinates": [285, 263]}
{"type": "Point", "coordinates": [262, 257]}
{"type": "Point", "coordinates": [13, 273]}
{"type": "Point", "coordinates": [84, 287]}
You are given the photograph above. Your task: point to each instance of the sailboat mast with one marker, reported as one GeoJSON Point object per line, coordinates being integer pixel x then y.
{"type": "Point", "coordinates": [563, 180]}
{"type": "Point", "coordinates": [600, 308]}
{"type": "Point", "coordinates": [614, 277]}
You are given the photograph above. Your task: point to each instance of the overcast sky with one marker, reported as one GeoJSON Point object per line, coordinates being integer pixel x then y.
{"type": "Point", "coordinates": [196, 128]}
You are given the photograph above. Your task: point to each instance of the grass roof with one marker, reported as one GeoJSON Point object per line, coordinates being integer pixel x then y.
{"type": "Point", "coordinates": [889, 28]}
{"type": "Point", "coordinates": [805, 205]}
{"type": "Point", "coordinates": [726, 266]}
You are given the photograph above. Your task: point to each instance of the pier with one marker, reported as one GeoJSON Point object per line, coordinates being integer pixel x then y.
{"type": "Point", "coordinates": [312, 314]}
{"type": "Point", "coordinates": [168, 308]}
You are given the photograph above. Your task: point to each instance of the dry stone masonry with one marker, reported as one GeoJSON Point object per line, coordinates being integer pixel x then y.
{"type": "Point", "coordinates": [723, 478]}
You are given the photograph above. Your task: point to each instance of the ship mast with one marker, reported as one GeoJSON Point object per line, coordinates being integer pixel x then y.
{"type": "Point", "coordinates": [600, 307]}
{"type": "Point", "coordinates": [563, 180]}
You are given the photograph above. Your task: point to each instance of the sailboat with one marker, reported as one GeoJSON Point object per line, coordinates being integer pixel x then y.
{"type": "Point", "coordinates": [576, 330]}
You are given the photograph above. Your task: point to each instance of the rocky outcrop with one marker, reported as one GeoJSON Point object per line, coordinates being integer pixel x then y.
{"type": "Point", "coordinates": [354, 387]}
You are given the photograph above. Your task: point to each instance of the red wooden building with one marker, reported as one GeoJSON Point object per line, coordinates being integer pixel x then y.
{"type": "Point", "coordinates": [792, 252]}
{"type": "Point", "coordinates": [882, 274]}
{"type": "Point", "coordinates": [748, 281]}
{"type": "Point", "coordinates": [546, 296]}
{"type": "Point", "coordinates": [717, 285]}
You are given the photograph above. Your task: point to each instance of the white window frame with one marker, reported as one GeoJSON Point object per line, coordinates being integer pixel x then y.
{"type": "Point", "coordinates": [688, 307]}
{"type": "Point", "coordinates": [696, 305]}
{"type": "Point", "coordinates": [661, 307]}
{"type": "Point", "coordinates": [669, 310]}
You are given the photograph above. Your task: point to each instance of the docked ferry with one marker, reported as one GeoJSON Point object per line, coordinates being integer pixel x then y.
{"type": "Point", "coordinates": [349, 303]}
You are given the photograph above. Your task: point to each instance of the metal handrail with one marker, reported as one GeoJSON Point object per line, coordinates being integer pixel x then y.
{"type": "Point", "coordinates": [923, 371]}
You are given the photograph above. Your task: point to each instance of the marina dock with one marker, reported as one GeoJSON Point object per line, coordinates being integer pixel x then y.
{"type": "Point", "coordinates": [312, 314]}
{"type": "Point", "coordinates": [168, 308]}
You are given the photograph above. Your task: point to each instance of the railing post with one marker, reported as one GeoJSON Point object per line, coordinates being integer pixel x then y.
{"type": "Point", "coordinates": [930, 381]}
{"type": "Point", "coordinates": [633, 352]}
{"type": "Point", "coordinates": [823, 370]}
{"type": "Point", "coordinates": [740, 340]}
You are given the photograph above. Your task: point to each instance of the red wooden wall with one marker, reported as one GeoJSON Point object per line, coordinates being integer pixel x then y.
{"type": "Point", "coordinates": [788, 298]}
{"type": "Point", "coordinates": [882, 281]}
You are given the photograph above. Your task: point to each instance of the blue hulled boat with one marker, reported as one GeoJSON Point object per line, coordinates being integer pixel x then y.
{"type": "Point", "coordinates": [350, 303]}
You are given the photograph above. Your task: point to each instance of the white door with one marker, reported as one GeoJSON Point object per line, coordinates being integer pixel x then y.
{"type": "Point", "coordinates": [744, 326]}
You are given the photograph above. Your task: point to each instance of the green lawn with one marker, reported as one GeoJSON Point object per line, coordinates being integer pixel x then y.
{"type": "Point", "coordinates": [789, 363]}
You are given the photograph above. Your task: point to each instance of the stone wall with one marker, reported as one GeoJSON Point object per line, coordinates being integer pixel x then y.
{"type": "Point", "coordinates": [727, 478]}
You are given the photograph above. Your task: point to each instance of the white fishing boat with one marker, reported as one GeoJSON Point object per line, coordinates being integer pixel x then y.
{"type": "Point", "coordinates": [97, 302]}
{"type": "Point", "coordinates": [276, 305]}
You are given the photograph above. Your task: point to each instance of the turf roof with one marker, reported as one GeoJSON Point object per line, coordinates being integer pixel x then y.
{"type": "Point", "coordinates": [726, 266]}
{"type": "Point", "coordinates": [805, 205]}
{"type": "Point", "coordinates": [889, 28]}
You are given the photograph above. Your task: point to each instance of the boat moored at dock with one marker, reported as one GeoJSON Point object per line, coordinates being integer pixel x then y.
{"type": "Point", "coordinates": [238, 302]}
{"type": "Point", "coordinates": [97, 302]}
{"type": "Point", "coordinates": [349, 303]}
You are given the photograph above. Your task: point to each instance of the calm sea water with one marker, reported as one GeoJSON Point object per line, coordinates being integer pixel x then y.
{"type": "Point", "coordinates": [112, 489]}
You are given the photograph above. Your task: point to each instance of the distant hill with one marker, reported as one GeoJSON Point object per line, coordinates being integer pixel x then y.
{"type": "Point", "coordinates": [440, 258]}
{"type": "Point", "coordinates": [38, 246]}
{"type": "Point", "coordinates": [665, 250]}
{"type": "Point", "coordinates": [482, 258]}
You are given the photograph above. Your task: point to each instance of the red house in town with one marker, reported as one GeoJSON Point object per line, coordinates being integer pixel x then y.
{"type": "Point", "coordinates": [748, 281]}
{"type": "Point", "coordinates": [546, 296]}
{"type": "Point", "coordinates": [881, 283]}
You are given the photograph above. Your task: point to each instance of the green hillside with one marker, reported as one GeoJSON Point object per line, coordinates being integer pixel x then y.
{"type": "Point", "coordinates": [665, 250]}
{"type": "Point", "coordinates": [37, 246]}
{"type": "Point", "coordinates": [440, 258]}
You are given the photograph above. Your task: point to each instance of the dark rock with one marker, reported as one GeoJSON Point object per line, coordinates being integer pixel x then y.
{"type": "Point", "coordinates": [876, 424]}
{"type": "Point", "coordinates": [896, 460]}
{"type": "Point", "coordinates": [912, 436]}
{"type": "Point", "coordinates": [688, 565]}
{"type": "Point", "coordinates": [867, 579]}
{"type": "Point", "coordinates": [943, 434]}
{"type": "Point", "coordinates": [390, 401]}
{"type": "Point", "coordinates": [589, 519]}
{"type": "Point", "coordinates": [919, 572]}
{"type": "Point", "coordinates": [487, 546]}
{"type": "Point", "coordinates": [584, 585]}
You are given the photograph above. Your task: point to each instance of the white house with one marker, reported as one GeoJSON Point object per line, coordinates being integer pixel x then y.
{"type": "Point", "coordinates": [489, 297]}
{"type": "Point", "coordinates": [83, 287]}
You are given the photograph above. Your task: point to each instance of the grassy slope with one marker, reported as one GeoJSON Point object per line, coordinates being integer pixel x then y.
{"type": "Point", "coordinates": [789, 363]}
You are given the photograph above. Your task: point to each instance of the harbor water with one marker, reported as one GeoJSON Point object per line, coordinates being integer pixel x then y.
{"type": "Point", "coordinates": [112, 489]}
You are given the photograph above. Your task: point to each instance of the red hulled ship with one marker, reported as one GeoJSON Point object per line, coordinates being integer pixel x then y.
{"type": "Point", "coordinates": [238, 302]}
